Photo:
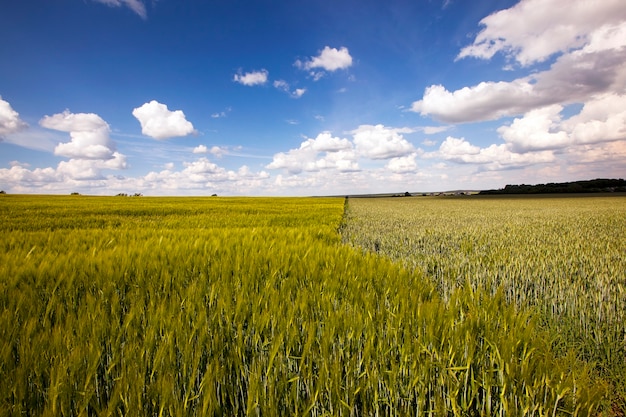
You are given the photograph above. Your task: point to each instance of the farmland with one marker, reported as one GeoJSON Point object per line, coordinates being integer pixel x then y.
{"type": "Point", "coordinates": [254, 306]}
{"type": "Point", "coordinates": [561, 257]}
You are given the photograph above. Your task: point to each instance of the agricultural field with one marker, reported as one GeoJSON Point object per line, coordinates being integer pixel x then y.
{"type": "Point", "coordinates": [254, 306]}
{"type": "Point", "coordinates": [563, 258]}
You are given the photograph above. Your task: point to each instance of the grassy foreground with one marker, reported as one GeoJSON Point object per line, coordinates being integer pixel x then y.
{"type": "Point", "coordinates": [232, 306]}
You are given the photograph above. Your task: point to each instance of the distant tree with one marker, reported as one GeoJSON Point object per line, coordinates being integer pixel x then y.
{"type": "Point", "coordinates": [591, 186]}
{"type": "Point", "coordinates": [2, 192]}
{"type": "Point", "coordinates": [407, 194]}
{"type": "Point", "coordinates": [213, 195]}
{"type": "Point", "coordinates": [75, 193]}
{"type": "Point", "coordinates": [137, 195]}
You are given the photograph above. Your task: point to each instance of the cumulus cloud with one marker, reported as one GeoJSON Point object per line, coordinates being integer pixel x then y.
{"type": "Point", "coordinates": [90, 151]}
{"type": "Point", "coordinates": [89, 135]}
{"type": "Point", "coordinates": [329, 59]}
{"type": "Point", "coordinates": [493, 157]}
{"type": "Point", "coordinates": [204, 173]}
{"type": "Point", "coordinates": [298, 92]}
{"type": "Point", "coordinates": [203, 166]}
{"type": "Point", "coordinates": [252, 78]}
{"type": "Point", "coordinates": [602, 119]}
{"type": "Point", "coordinates": [380, 142]}
{"type": "Point", "coordinates": [218, 151]}
{"type": "Point", "coordinates": [136, 6]}
{"type": "Point", "coordinates": [158, 122]}
{"type": "Point", "coordinates": [323, 152]}
{"type": "Point", "coordinates": [20, 177]}
{"type": "Point", "coordinates": [536, 130]}
{"type": "Point", "coordinates": [325, 142]}
{"type": "Point", "coordinates": [84, 169]}
{"type": "Point", "coordinates": [573, 78]}
{"type": "Point", "coordinates": [533, 30]}
{"type": "Point", "coordinates": [591, 42]}
{"type": "Point", "coordinates": [10, 121]}
{"type": "Point", "coordinates": [403, 164]}
{"type": "Point", "coordinates": [78, 172]}
{"type": "Point", "coordinates": [327, 152]}
{"type": "Point", "coordinates": [197, 177]}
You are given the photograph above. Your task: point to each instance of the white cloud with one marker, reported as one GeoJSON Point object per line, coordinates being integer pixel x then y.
{"type": "Point", "coordinates": [453, 148]}
{"type": "Point", "coordinates": [573, 78]}
{"type": "Point", "coordinates": [602, 158]}
{"type": "Point", "coordinates": [196, 178]}
{"type": "Point", "coordinates": [67, 176]}
{"type": "Point", "coordinates": [329, 59]}
{"type": "Point", "coordinates": [136, 6]}
{"type": "Point", "coordinates": [295, 160]}
{"type": "Point", "coordinates": [431, 130]}
{"type": "Point", "coordinates": [10, 121]}
{"type": "Point", "coordinates": [252, 78]}
{"type": "Point", "coordinates": [591, 41]}
{"type": "Point", "coordinates": [298, 92]}
{"type": "Point", "coordinates": [284, 86]}
{"type": "Point", "coordinates": [533, 30]}
{"type": "Point", "coordinates": [537, 130]}
{"type": "Point", "coordinates": [380, 142]}
{"type": "Point", "coordinates": [602, 119]}
{"type": "Point", "coordinates": [342, 155]}
{"type": "Point", "coordinates": [494, 157]}
{"type": "Point", "coordinates": [317, 75]}
{"type": "Point", "coordinates": [281, 85]}
{"type": "Point", "coordinates": [90, 151]}
{"type": "Point", "coordinates": [203, 166]}
{"type": "Point", "coordinates": [487, 100]}
{"type": "Point", "coordinates": [19, 176]}
{"type": "Point", "coordinates": [218, 151]}
{"type": "Point", "coordinates": [158, 122]}
{"type": "Point", "coordinates": [89, 135]}
{"type": "Point", "coordinates": [83, 169]}
{"type": "Point", "coordinates": [403, 164]}
{"type": "Point", "coordinates": [323, 152]}
{"type": "Point", "coordinates": [325, 142]}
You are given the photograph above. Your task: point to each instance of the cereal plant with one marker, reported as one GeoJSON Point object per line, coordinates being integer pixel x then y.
{"type": "Point", "coordinates": [562, 257]}
{"type": "Point", "coordinates": [250, 306]}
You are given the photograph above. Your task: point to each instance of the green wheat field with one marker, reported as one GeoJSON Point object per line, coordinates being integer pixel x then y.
{"type": "Point", "coordinates": [434, 306]}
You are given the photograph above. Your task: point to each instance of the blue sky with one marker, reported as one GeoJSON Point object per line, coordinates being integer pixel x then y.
{"type": "Point", "coordinates": [232, 97]}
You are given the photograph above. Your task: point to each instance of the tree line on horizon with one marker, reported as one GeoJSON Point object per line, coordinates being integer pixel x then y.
{"type": "Point", "coordinates": [599, 185]}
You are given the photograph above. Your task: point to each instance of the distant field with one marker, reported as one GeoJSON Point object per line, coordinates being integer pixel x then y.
{"type": "Point", "coordinates": [564, 257]}
{"type": "Point", "coordinates": [253, 306]}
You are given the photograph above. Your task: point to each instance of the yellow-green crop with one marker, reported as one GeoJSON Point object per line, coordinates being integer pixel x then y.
{"type": "Point", "coordinates": [220, 306]}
